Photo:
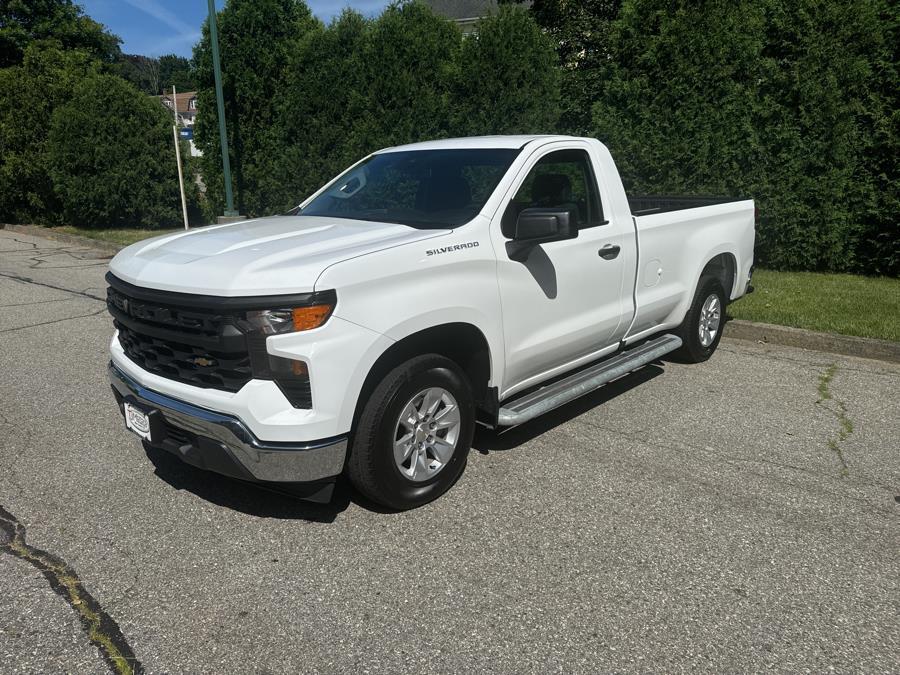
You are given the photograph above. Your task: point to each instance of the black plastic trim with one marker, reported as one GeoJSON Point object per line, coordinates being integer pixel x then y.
{"type": "Point", "coordinates": [648, 205]}
{"type": "Point", "coordinates": [222, 343]}
{"type": "Point", "coordinates": [218, 303]}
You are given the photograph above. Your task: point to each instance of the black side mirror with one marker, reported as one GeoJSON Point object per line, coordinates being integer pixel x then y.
{"type": "Point", "coordinates": [539, 225]}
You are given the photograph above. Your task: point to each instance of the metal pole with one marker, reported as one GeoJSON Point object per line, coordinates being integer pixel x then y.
{"type": "Point", "coordinates": [178, 158]}
{"type": "Point", "coordinates": [220, 103]}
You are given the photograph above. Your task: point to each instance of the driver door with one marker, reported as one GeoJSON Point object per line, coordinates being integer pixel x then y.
{"type": "Point", "coordinates": [563, 302]}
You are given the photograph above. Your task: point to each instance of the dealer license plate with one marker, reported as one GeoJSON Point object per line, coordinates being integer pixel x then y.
{"type": "Point", "coordinates": [138, 421]}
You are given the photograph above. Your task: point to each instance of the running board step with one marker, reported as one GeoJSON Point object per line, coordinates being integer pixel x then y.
{"type": "Point", "coordinates": [585, 381]}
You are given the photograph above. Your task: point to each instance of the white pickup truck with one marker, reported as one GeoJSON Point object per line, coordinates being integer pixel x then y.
{"type": "Point", "coordinates": [428, 288]}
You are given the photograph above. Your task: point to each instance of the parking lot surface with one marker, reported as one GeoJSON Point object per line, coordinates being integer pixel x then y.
{"type": "Point", "coordinates": [737, 515]}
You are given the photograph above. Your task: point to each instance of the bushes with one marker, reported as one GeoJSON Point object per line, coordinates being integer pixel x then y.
{"type": "Point", "coordinates": [29, 93]}
{"type": "Point", "coordinates": [507, 79]}
{"type": "Point", "coordinates": [791, 103]}
{"type": "Point", "coordinates": [320, 109]}
{"type": "Point", "coordinates": [359, 85]}
{"type": "Point", "coordinates": [255, 40]}
{"type": "Point", "coordinates": [110, 157]}
{"type": "Point", "coordinates": [78, 145]}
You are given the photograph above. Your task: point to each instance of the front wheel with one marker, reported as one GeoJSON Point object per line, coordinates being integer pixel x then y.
{"type": "Point", "coordinates": [414, 434]}
{"type": "Point", "coordinates": [702, 327]}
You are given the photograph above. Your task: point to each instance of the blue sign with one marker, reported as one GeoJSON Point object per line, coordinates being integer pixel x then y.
{"type": "Point", "coordinates": [186, 134]}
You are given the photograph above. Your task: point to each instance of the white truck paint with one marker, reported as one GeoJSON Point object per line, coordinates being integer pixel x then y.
{"type": "Point", "coordinates": [559, 308]}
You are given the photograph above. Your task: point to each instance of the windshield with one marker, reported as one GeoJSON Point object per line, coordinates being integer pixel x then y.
{"type": "Point", "coordinates": [426, 189]}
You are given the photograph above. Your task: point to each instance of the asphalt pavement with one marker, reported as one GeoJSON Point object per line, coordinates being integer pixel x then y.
{"type": "Point", "coordinates": [739, 515]}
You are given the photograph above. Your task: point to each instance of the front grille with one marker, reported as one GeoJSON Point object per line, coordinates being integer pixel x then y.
{"type": "Point", "coordinates": [187, 344]}
{"type": "Point", "coordinates": [205, 341]}
{"type": "Point", "coordinates": [198, 366]}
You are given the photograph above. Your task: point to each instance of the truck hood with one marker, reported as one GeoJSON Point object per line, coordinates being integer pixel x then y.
{"type": "Point", "coordinates": [266, 256]}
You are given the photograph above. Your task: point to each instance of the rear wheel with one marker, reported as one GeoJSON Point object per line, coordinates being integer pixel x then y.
{"type": "Point", "coordinates": [413, 437]}
{"type": "Point", "coordinates": [702, 327]}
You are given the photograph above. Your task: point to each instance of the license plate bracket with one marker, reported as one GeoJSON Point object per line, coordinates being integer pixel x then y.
{"type": "Point", "coordinates": [139, 420]}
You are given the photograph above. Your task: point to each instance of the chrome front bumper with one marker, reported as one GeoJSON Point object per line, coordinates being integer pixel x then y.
{"type": "Point", "coordinates": [224, 444]}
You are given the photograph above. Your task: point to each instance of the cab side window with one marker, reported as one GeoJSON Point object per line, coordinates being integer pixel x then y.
{"type": "Point", "coordinates": [563, 179]}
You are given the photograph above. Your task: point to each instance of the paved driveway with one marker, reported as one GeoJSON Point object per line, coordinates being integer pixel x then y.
{"type": "Point", "coordinates": [738, 515]}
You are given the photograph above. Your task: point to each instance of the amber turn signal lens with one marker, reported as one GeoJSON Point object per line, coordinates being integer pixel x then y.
{"type": "Point", "coordinates": [307, 318]}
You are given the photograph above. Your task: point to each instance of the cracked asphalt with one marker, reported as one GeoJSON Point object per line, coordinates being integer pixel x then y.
{"type": "Point", "coordinates": [738, 515]}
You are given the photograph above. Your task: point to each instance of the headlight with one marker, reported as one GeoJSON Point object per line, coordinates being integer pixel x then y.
{"type": "Point", "coordinates": [277, 321]}
{"type": "Point", "coordinates": [271, 321]}
{"type": "Point", "coordinates": [291, 376]}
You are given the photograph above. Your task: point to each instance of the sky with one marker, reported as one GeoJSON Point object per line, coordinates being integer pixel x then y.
{"type": "Point", "coordinates": [154, 27]}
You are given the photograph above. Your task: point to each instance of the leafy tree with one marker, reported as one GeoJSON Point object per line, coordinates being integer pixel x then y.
{"type": "Point", "coordinates": [676, 101]}
{"type": "Point", "coordinates": [29, 93]}
{"type": "Point", "coordinates": [880, 250]}
{"type": "Point", "coordinates": [508, 80]}
{"type": "Point", "coordinates": [152, 75]}
{"type": "Point", "coordinates": [319, 109]}
{"type": "Point", "coordinates": [581, 32]}
{"type": "Point", "coordinates": [255, 39]}
{"type": "Point", "coordinates": [25, 21]}
{"type": "Point", "coordinates": [410, 62]}
{"type": "Point", "coordinates": [175, 70]}
{"type": "Point", "coordinates": [360, 85]}
{"type": "Point", "coordinates": [141, 71]}
{"type": "Point", "coordinates": [111, 158]}
{"type": "Point", "coordinates": [774, 100]}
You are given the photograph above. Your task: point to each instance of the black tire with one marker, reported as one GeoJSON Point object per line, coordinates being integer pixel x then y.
{"type": "Point", "coordinates": [371, 466]}
{"type": "Point", "coordinates": [692, 349]}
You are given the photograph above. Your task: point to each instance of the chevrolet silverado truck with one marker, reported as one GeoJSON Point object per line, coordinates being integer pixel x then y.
{"type": "Point", "coordinates": [429, 288]}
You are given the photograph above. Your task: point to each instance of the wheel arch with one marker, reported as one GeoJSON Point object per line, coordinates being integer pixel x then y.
{"type": "Point", "coordinates": [463, 343]}
{"type": "Point", "coordinates": [722, 266]}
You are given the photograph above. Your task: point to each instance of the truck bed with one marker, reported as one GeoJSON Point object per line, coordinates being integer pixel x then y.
{"type": "Point", "coordinates": [643, 205]}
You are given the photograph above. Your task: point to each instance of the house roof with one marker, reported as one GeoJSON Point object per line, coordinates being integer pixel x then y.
{"type": "Point", "coordinates": [462, 9]}
{"type": "Point", "coordinates": [182, 101]}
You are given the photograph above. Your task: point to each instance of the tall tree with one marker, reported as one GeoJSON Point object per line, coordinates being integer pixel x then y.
{"type": "Point", "coordinates": [255, 39]}
{"type": "Point", "coordinates": [141, 71]}
{"type": "Point", "coordinates": [110, 151]}
{"type": "Point", "coordinates": [776, 100]}
{"type": "Point", "coordinates": [410, 62]}
{"type": "Point", "coordinates": [580, 29]}
{"type": "Point", "coordinates": [29, 93]}
{"type": "Point", "coordinates": [508, 80]}
{"type": "Point", "coordinates": [325, 95]}
{"type": "Point", "coordinates": [25, 21]}
{"type": "Point", "coordinates": [176, 70]}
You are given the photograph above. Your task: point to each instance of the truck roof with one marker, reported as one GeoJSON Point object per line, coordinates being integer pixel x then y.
{"type": "Point", "coordinates": [473, 142]}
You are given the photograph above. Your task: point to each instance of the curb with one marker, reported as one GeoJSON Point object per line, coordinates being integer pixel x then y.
{"type": "Point", "coordinates": [847, 345]}
{"type": "Point", "coordinates": [64, 237]}
{"type": "Point", "coordinates": [738, 329]}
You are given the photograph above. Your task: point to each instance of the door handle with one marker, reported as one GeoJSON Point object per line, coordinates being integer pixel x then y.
{"type": "Point", "coordinates": [609, 251]}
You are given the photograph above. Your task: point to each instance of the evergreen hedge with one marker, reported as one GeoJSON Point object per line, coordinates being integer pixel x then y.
{"type": "Point", "coordinates": [361, 84]}
{"type": "Point", "coordinates": [80, 146]}
{"type": "Point", "coordinates": [791, 102]}
{"type": "Point", "coordinates": [111, 157]}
